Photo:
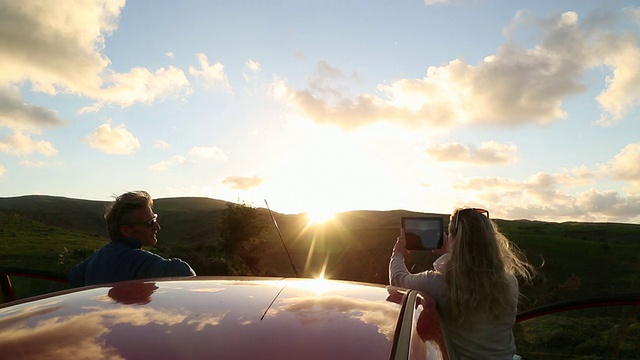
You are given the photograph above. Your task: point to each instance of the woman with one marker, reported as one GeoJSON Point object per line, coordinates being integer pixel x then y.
{"type": "Point", "coordinates": [473, 284]}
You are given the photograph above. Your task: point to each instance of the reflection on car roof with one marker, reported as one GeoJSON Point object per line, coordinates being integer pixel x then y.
{"type": "Point", "coordinates": [229, 318]}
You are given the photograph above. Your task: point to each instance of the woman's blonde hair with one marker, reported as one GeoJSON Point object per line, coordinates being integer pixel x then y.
{"type": "Point", "coordinates": [481, 268]}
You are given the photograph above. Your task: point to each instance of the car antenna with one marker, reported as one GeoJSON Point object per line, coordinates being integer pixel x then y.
{"type": "Point", "coordinates": [281, 238]}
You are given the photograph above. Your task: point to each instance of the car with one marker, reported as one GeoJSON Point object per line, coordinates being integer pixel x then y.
{"type": "Point", "coordinates": [281, 318]}
{"type": "Point", "coordinates": [224, 318]}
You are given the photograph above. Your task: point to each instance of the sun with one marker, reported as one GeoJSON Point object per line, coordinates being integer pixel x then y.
{"type": "Point", "coordinates": [320, 216]}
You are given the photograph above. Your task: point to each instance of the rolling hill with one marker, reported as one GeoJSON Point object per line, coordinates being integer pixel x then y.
{"type": "Point", "coordinates": [580, 259]}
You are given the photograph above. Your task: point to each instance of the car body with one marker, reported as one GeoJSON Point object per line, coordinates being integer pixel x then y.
{"type": "Point", "coordinates": [282, 318]}
{"type": "Point", "coordinates": [224, 318]}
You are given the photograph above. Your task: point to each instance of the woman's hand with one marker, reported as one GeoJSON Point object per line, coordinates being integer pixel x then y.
{"type": "Point", "coordinates": [401, 245]}
{"type": "Point", "coordinates": [445, 246]}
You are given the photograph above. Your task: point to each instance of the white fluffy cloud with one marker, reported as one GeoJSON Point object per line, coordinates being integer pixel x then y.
{"type": "Point", "coordinates": [549, 196]}
{"type": "Point", "coordinates": [58, 48]}
{"type": "Point", "coordinates": [140, 85]}
{"type": "Point", "coordinates": [622, 56]}
{"type": "Point", "coordinates": [626, 164]}
{"type": "Point", "coordinates": [20, 144]}
{"type": "Point", "coordinates": [113, 140]}
{"type": "Point", "coordinates": [488, 153]}
{"type": "Point", "coordinates": [212, 75]}
{"type": "Point", "coordinates": [212, 152]}
{"type": "Point", "coordinates": [166, 164]}
{"type": "Point", "coordinates": [515, 86]}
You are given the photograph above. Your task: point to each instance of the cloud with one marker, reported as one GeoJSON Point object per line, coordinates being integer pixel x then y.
{"type": "Point", "coordinates": [242, 183]}
{"type": "Point", "coordinates": [346, 113]}
{"type": "Point", "coordinates": [212, 152]}
{"type": "Point", "coordinates": [324, 76]}
{"type": "Point", "coordinates": [213, 75]}
{"type": "Point", "coordinates": [55, 45]}
{"type": "Point", "coordinates": [625, 165]}
{"type": "Point", "coordinates": [622, 93]}
{"type": "Point", "coordinates": [166, 164]}
{"type": "Point", "coordinates": [489, 152]}
{"type": "Point", "coordinates": [328, 99]}
{"type": "Point", "coordinates": [538, 183]}
{"type": "Point", "coordinates": [161, 144]}
{"type": "Point", "coordinates": [20, 144]}
{"type": "Point", "coordinates": [196, 154]}
{"type": "Point", "coordinates": [610, 205]}
{"type": "Point", "coordinates": [591, 205]}
{"type": "Point", "coordinates": [113, 141]}
{"type": "Point", "coordinates": [24, 119]}
{"type": "Point", "coordinates": [546, 197]}
{"type": "Point", "coordinates": [253, 65]}
{"type": "Point", "coordinates": [310, 309]}
{"type": "Point", "coordinates": [81, 335]}
{"type": "Point", "coordinates": [513, 87]}
{"type": "Point", "coordinates": [140, 85]}
{"type": "Point", "coordinates": [16, 114]}
{"type": "Point", "coordinates": [279, 89]}
{"type": "Point", "coordinates": [58, 49]}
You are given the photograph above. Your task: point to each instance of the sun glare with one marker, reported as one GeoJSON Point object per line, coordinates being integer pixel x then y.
{"type": "Point", "coordinates": [319, 216]}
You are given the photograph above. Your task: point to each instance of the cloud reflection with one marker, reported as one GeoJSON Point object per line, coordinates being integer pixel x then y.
{"type": "Point", "coordinates": [136, 320]}
{"type": "Point", "coordinates": [320, 308]}
{"type": "Point", "coordinates": [82, 336]}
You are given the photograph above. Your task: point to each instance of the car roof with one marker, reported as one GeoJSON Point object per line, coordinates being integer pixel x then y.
{"type": "Point", "coordinates": [203, 317]}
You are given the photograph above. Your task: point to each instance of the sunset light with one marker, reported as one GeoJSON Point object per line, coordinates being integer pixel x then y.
{"type": "Point", "coordinates": [320, 216]}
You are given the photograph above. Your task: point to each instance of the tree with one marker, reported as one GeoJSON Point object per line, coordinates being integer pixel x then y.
{"type": "Point", "coordinates": [240, 229]}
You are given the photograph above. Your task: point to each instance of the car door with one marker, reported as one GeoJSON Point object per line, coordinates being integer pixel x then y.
{"type": "Point", "coordinates": [419, 334]}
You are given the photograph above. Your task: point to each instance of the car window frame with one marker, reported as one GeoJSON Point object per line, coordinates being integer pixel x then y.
{"type": "Point", "coordinates": [407, 337]}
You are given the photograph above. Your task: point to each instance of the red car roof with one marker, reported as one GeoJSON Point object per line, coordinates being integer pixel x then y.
{"type": "Point", "coordinates": [201, 317]}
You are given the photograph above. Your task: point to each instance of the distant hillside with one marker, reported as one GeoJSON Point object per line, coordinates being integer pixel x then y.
{"type": "Point", "coordinates": [88, 216]}
{"type": "Point", "coordinates": [580, 259]}
{"type": "Point", "coordinates": [76, 214]}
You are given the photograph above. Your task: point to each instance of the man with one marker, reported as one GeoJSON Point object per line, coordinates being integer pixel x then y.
{"type": "Point", "coordinates": [131, 224]}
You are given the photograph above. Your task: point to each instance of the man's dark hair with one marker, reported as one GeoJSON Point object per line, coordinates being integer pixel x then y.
{"type": "Point", "coordinates": [120, 211]}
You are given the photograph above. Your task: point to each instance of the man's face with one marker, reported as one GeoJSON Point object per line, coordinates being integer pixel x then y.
{"type": "Point", "coordinates": [143, 227]}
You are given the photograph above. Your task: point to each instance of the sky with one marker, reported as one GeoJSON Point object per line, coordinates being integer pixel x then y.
{"type": "Point", "coordinates": [526, 108]}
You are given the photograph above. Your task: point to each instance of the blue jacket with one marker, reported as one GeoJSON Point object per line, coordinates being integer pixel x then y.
{"type": "Point", "coordinates": [123, 259]}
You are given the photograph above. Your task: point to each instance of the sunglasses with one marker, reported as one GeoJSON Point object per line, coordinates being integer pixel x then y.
{"type": "Point", "coordinates": [478, 210]}
{"type": "Point", "coordinates": [148, 223]}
